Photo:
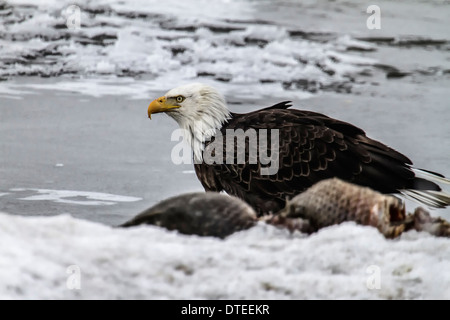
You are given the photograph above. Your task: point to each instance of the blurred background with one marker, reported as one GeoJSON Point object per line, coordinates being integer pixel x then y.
{"type": "Point", "coordinates": [76, 78]}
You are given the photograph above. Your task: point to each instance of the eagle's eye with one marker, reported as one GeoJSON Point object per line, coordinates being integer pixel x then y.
{"type": "Point", "coordinates": [179, 99]}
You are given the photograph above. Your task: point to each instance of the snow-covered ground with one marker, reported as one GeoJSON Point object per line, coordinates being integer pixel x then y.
{"type": "Point", "coordinates": [63, 258]}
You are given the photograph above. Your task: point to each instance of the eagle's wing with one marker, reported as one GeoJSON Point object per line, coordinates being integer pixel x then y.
{"type": "Point", "coordinates": [311, 147]}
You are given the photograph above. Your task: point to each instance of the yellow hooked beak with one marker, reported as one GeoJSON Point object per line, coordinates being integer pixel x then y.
{"type": "Point", "coordinates": [159, 105]}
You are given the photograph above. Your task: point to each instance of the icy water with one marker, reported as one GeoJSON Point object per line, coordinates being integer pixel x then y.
{"type": "Point", "coordinates": [77, 80]}
{"type": "Point", "coordinates": [247, 48]}
{"type": "Point", "coordinates": [75, 83]}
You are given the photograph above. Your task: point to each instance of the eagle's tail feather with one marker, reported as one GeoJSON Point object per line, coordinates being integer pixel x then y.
{"type": "Point", "coordinates": [427, 189]}
{"type": "Point", "coordinates": [431, 198]}
{"type": "Point", "coordinates": [430, 175]}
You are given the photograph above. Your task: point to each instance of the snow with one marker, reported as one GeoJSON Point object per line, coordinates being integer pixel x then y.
{"type": "Point", "coordinates": [42, 257]}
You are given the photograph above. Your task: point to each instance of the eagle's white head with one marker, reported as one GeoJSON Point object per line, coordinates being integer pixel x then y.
{"type": "Point", "coordinates": [199, 109]}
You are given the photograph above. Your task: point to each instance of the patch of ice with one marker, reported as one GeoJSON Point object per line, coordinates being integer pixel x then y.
{"type": "Point", "coordinates": [341, 262]}
{"type": "Point", "coordinates": [10, 91]}
{"type": "Point", "coordinates": [98, 87]}
{"type": "Point", "coordinates": [63, 196]}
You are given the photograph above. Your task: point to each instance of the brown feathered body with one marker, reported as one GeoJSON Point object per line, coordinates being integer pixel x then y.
{"type": "Point", "coordinates": [312, 147]}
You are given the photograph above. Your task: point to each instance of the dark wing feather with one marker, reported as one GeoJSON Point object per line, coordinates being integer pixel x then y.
{"type": "Point", "coordinates": [281, 105]}
{"type": "Point", "coordinates": [312, 147]}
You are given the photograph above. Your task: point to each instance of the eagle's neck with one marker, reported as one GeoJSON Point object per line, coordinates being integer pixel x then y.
{"type": "Point", "coordinates": [202, 124]}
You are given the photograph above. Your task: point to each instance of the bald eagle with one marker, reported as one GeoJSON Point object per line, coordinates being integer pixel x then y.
{"type": "Point", "coordinates": [308, 147]}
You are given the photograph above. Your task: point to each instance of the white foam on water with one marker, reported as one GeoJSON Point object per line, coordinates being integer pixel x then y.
{"type": "Point", "coordinates": [341, 262]}
{"type": "Point", "coordinates": [168, 44]}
